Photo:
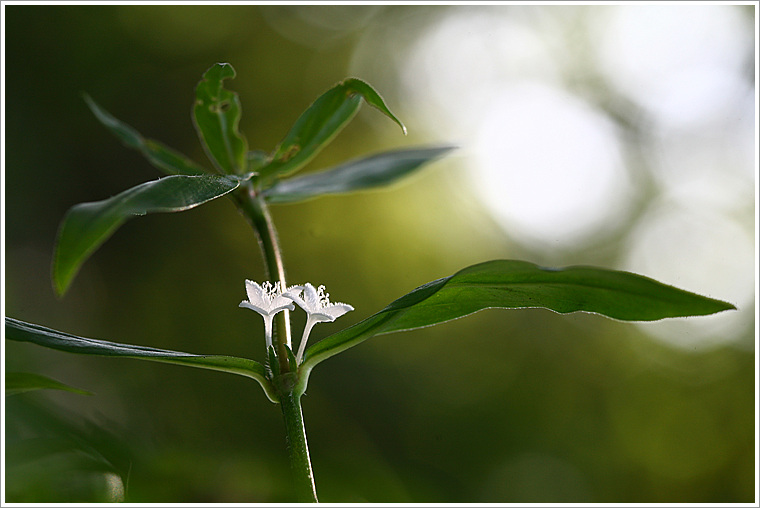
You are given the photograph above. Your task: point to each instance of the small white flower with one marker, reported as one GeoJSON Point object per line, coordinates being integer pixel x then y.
{"type": "Point", "coordinates": [267, 300]}
{"type": "Point", "coordinates": [317, 305]}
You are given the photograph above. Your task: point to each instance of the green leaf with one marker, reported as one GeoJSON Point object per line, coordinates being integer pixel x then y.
{"type": "Point", "coordinates": [374, 171]}
{"type": "Point", "coordinates": [87, 225]}
{"type": "Point", "coordinates": [519, 284]}
{"type": "Point", "coordinates": [20, 382]}
{"type": "Point", "coordinates": [372, 97]}
{"type": "Point", "coordinates": [161, 156]}
{"type": "Point", "coordinates": [217, 115]}
{"type": "Point", "coordinates": [28, 332]}
{"type": "Point", "coordinates": [320, 123]}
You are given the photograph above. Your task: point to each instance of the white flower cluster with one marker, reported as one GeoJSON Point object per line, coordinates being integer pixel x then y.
{"type": "Point", "coordinates": [268, 300]}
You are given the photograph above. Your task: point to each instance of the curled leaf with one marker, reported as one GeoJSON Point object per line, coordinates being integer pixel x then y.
{"type": "Point", "coordinates": [217, 114]}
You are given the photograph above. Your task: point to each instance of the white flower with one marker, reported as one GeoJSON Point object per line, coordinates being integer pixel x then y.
{"type": "Point", "coordinates": [317, 305]}
{"type": "Point", "coordinates": [267, 300]}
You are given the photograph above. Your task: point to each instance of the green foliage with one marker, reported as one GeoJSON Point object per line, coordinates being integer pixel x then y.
{"type": "Point", "coordinates": [505, 284]}
{"type": "Point", "coordinates": [86, 226]}
{"type": "Point", "coordinates": [500, 284]}
{"type": "Point", "coordinates": [320, 123]}
{"type": "Point", "coordinates": [51, 456]}
{"type": "Point", "coordinates": [266, 177]}
{"type": "Point", "coordinates": [518, 285]}
{"type": "Point", "coordinates": [217, 115]}
{"type": "Point", "coordinates": [28, 332]}
{"type": "Point", "coordinates": [366, 173]}
{"type": "Point", "coordinates": [21, 382]}
{"type": "Point", "coordinates": [161, 156]}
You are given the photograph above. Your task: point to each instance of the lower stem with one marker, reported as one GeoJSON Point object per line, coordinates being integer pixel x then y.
{"type": "Point", "coordinates": [298, 449]}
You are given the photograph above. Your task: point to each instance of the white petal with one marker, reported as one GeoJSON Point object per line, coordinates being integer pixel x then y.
{"type": "Point", "coordinates": [331, 312]}
{"type": "Point", "coordinates": [337, 309]}
{"type": "Point", "coordinates": [293, 290]}
{"type": "Point", "coordinates": [255, 292]}
{"type": "Point", "coordinates": [279, 305]}
{"type": "Point", "coordinates": [248, 305]}
{"type": "Point", "coordinates": [297, 298]}
{"type": "Point", "coordinates": [310, 298]}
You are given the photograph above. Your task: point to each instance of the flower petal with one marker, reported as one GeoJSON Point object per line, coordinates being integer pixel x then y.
{"type": "Point", "coordinates": [255, 292]}
{"type": "Point", "coordinates": [296, 297]}
{"type": "Point", "coordinates": [311, 298]}
{"type": "Point", "coordinates": [336, 310]}
{"type": "Point", "coordinates": [280, 306]}
{"type": "Point", "coordinates": [248, 305]}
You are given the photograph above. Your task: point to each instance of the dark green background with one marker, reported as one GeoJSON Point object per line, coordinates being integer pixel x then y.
{"type": "Point", "coordinates": [503, 406]}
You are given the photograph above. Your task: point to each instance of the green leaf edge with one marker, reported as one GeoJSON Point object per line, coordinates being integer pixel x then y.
{"type": "Point", "coordinates": [213, 81]}
{"type": "Point", "coordinates": [383, 321]}
{"type": "Point", "coordinates": [64, 270]}
{"type": "Point", "coordinates": [287, 157]}
{"type": "Point", "coordinates": [152, 150]}
{"type": "Point", "coordinates": [301, 188]}
{"type": "Point", "coordinates": [22, 382]}
{"type": "Point", "coordinates": [373, 98]}
{"type": "Point", "coordinates": [21, 331]}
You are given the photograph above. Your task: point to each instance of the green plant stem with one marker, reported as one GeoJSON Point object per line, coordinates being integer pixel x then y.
{"type": "Point", "coordinates": [255, 209]}
{"type": "Point", "coordinates": [298, 449]}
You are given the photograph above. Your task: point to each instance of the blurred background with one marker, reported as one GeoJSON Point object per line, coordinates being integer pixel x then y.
{"type": "Point", "coordinates": [617, 136]}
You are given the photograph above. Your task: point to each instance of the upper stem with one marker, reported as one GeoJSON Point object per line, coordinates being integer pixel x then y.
{"type": "Point", "coordinates": [255, 209]}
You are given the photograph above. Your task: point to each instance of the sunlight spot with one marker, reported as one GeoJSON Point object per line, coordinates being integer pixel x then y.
{"type": "Point", "coordinates": [543, 162]}
{"type": "Point", "coordinates": [548, 166]}
{"type": "Point", "coordinates": [701, 251]}
{"type": "Point", "coordinates": [682, 63]}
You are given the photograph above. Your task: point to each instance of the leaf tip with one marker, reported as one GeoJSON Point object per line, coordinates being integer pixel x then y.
{"type": "Point", "coordinates": [60, 282]}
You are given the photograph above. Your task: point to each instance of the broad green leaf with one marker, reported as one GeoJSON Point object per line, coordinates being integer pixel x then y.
{"type": "Point", "coordinates": [519, 284]}
{"type": "Point", "coordinates": [164, 158]}
{"type": "Point", "coordinates": [87, 225]}
{"type": "Point", "coordinates": [217, 115]}
{"type": "Point", "coordinates": [374, 171]}
{"type": "Point", "coordinates": [28, 332]}
{"type": "Point", "coordinates": [20, 382]}
{"type": "Point", "coordinates": [320, 123]}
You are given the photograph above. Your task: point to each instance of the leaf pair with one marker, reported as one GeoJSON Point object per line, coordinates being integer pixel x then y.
{"type": "Point", "coordinates": [494, 284]}
{"type": "Point", "coordinates": [216, 115]}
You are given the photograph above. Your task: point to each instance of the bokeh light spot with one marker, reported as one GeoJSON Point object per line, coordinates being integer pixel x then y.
{"type": "Point", "coordinates": [548, 166]}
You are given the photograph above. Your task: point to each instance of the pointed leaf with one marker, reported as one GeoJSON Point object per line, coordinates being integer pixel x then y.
{"type": "Point", "coordinates": [47, 337]}
{"type": "Point", "coordinates": [87, 225]}
{"type": "Point", "coordinates": [372, 97]}
{"type": "Point", "coordinates": [161, 156]}
{"type": "Point", "coordinates": [20, 382]}
{"type": "Point", "coordinates": [519, 284]}
{"type": "Point", "coordinates": [217, 115]}
{"type": "Point", "coordinates": [374, 171]}
{"type": "Point", "coordinates": [320, 123]}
